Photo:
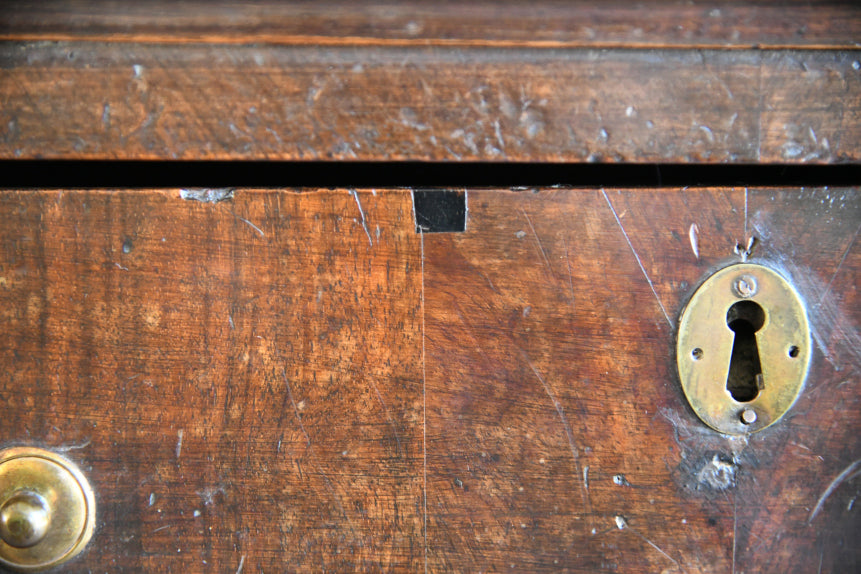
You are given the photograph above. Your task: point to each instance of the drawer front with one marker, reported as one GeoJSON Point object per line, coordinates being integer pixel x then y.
{"type": "Point", "coordinates": [276, 380]}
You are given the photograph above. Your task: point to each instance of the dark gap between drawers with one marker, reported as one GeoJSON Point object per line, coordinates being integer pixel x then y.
{"type": "Point", "coordinates": [65, 174]}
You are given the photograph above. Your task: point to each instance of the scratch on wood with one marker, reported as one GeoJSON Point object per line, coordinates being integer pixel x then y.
{"type": "Point", "coordinates": [254, 227]}
{"type": "Point", "coordinates": [178, 443]}
{"type": "Point", "coordinates": [355, 195]}
{"type": "Point", "coordinates": [329, 486]}
{"type": "Point", "coordinates": [537, 241]}
{"type": "Point", "coordinates": [424, 409]}
{"type": "Point", "coordinates": [850, 472]}
{"type": "Point", "coordinates": [839, 265]}
{"type": "Point", "coordinates": [295, 408]}
{"type": "Point", "coordinates": [388, 416]}
{"type": "Point", "coordinates": [656, 547]}
{"type": "Point", "coordinates": [241, 564]}
{"type": "Point", "coordinates": [559, 410]}
{"type": "Point", "coordinates": [570, 278]}
{"type": "Point", "coordinates": [66, 448]}
{"type": "Point", "coordinates": [622, 524]}
{"type": "Point", "coordinates": [830, 327]}
{"type": "Point", "coordinates": [575, 453]}
{"type": "Point", "coordinates": [637, 257]}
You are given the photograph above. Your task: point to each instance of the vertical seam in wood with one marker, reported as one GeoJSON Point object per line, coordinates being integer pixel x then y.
{"type": "Point", "coordinates": [734, 527]}
{"type": "Point", "coordinates": [424, 408]}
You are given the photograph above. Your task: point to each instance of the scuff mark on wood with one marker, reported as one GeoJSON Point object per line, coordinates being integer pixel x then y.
{"type": "Point", "coordinates": [364, 222]}
{"type": "Point", "coordinates": [830, 326]}
{"type": "Point", "coordinates": [717, 474]}
{"type": "Point", "coordinates": [208, 494]}
{"type": "Point", "coordinates": [179, 443]}
{"type": "Point", "coordinates": [692, 235]}
{"type": "Point", "coordinates": [207, 194]}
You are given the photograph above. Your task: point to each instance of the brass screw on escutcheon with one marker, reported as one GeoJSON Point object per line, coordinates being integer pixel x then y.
{"type": "Point", "coordinates": [748, 416]}
{"type": "Point", "coordinates": [745, 286]}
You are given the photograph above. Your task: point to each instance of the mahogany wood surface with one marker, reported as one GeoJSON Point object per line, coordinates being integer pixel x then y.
{"type": "Point", "coordinates": [85, 100]}
{"type": "Point", "coordinates": [546, 23]}
{"type": "Point", "coordinates": [298, 381]}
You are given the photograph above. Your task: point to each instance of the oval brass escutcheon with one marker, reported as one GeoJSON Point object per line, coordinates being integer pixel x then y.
{"type": "Point", "coordinates": [743, 349]}
{"type": "Point", "coordinates": [47, 509]}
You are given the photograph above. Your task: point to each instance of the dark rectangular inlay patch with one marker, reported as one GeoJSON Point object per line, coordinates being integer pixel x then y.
{"type": "Point", "coordinates": [439, 210]}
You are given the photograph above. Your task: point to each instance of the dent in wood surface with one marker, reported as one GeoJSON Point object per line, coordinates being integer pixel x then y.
{"type": "Point", "coordinates": [470, 401]}
{"type": "Point", "coordinates": [144, 101]}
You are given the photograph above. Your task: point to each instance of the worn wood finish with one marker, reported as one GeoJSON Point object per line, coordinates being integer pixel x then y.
{"type": "Point", "coordinates": [142, 101]}
{"type": "Point", "coordinates": [241, 381]}
{"type": "Point", "coordinates": [288, 381]}
{"type": "Point", "coordinates": [554, 412]}
{"type": "Point", "coordinates": [547, 23]}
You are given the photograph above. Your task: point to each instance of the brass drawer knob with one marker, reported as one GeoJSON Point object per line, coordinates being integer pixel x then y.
{"type": "Point", "coordinates": [47, 509]}
{"type": "Point", "coordinates": [24, 519]}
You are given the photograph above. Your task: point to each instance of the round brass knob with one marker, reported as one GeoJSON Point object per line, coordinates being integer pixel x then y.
{"type": "Point", "coordinates": [24, 519]}
{"type": "Point", "coordinates": [47, 509]}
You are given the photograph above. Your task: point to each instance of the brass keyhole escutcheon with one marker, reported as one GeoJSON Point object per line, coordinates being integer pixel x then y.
{"type": "Point", "coordinates": [47, 509]}
{"type": "Point", "coordinates": [744, 348]}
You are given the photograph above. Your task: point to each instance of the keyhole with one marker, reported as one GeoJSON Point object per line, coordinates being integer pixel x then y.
{"type": "Point", "coordinates": [744, 382]}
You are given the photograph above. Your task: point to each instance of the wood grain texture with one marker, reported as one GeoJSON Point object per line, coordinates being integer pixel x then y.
{"type": "Point", "coordinates": [546, 23]}
{"type": "Point", "coordinates": [271, 383]}
{"type": "Point", "coordinates": [558, 436]}
{"type": "Point", "coordinates": [243, 386]}
{"type": "Point", "coordinates": [142, 101]}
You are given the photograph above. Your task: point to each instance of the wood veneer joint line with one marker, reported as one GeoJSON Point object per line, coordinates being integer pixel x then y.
{"type": "Point", "coordinates": [424, 404]}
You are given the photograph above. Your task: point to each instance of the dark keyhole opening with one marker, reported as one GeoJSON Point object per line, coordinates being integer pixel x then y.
{"type": "Point", "coordinates": [744, 382]}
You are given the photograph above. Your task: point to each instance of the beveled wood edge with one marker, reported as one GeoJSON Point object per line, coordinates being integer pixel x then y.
{"type": "Point", "coordinates": [541, 24]}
